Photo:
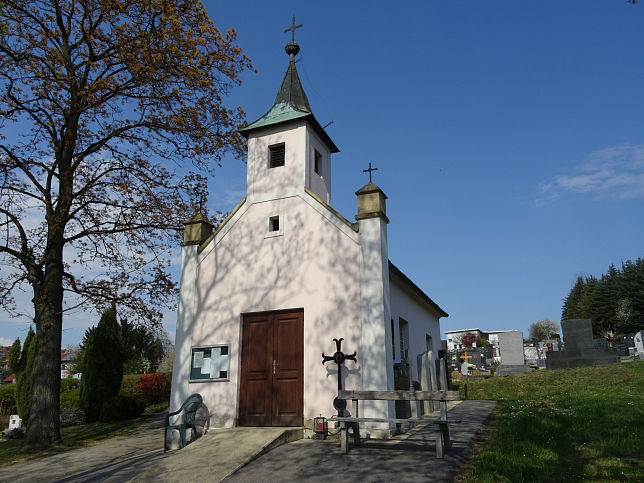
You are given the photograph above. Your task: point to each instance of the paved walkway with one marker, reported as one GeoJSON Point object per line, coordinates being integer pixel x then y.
{"type": "Point", "coordinates": [146, 440]}
{"type": "Point", "coordinates": [409, 457]}
{"type": "Point", "coordinates": [232, 454]}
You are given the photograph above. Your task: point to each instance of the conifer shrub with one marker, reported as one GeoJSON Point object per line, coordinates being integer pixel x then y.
{"type": "Point", "coordinates": [13, 361]}
{"type": "Point", "coordinates": [7, 399]}
{"type": "Point", "coordinates": [102, 364]}
{"type": "Point", "coordinates": [122, 406]}
{"type": "Point", "coordinates": [23, 376]}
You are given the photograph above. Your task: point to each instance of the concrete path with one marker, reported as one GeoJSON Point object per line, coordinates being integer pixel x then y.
{"type": "Point", "coordinates": [410, 457]}
{"type": "Point", "coordinates": [252, 454]}
{"type": "Point", "coordinates": [145, 440]}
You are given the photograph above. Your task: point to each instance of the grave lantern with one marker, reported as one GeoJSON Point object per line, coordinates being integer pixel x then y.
{"type": "Point", "coordinates": [320, 426]}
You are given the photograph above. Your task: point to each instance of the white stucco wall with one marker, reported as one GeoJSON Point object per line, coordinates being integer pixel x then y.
{"type": "Point", "coordinates": [422, 322]}
{"type": "Point", "coordinates": [264, 183]}
{"type": "Point", "coordinates": [313, 264]}
{"type": "Point", "coordinates": [319, 183]}
{"type": "Point", "coordinates": [375, 315]}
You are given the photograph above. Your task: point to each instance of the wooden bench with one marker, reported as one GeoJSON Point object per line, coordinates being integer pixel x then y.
{"type": "Point", "coordinates": [186, 419]}
{"type": "Point", "coordinates": [353, 421]}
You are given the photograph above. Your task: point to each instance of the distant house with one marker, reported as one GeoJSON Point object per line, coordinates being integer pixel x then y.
{"type": "Point", "coordinates": [67, 363]}
{"type": "Point", "coordinates": [4, 355]}
{"type": "Point", "coordinates": [454, 337]}
{"type": "Point", "coordinates": [10, 379]}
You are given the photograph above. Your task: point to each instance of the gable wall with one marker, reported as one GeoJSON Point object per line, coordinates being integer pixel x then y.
{"type": "Point", "coordinates": [312, 265]}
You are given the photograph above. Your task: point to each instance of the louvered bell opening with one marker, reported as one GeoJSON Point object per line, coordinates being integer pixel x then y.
{"type": "Point", "coordinates": [277, 153]}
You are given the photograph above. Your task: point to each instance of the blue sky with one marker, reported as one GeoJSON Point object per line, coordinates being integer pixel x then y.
{"type": "Point", "coordinates": [508, 136]}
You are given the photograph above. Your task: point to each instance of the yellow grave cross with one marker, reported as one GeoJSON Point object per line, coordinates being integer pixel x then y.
{"type": "Point", "coordinates": [466, 357]}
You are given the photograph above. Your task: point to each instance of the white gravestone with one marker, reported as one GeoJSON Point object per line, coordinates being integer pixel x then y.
{"type": "Point", "coordinates": [15, 422]}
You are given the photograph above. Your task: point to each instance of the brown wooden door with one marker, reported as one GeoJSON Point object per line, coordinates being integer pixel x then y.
{"type": "Point", "coordinates": [272, 381]}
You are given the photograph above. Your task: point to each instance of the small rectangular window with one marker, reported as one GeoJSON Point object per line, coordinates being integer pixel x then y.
{"type": "Point", "coordinates": [274, 223]}
{"type": "Point", "coordinates": [317, 163]}
{"type": "Point", "coordinates": [210, 363]}
{"type": "Point", "coordinates": [277, 155]}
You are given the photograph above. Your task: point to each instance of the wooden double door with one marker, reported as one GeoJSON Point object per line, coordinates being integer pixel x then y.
{"type": "Point", "coordinates": [272, 369]}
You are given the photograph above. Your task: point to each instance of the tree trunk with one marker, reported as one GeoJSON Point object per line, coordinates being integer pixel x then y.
{"type": "Point", "coordinates": [43, 425]}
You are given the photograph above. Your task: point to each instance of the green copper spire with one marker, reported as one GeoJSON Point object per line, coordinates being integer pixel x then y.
{"type": "Point", "coordinates": [291, 92]}
{"type": "Point", "coordinates": [291, 102]}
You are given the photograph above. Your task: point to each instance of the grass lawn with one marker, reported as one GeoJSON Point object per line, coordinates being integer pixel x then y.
{"type": "Point", "coordinates": [72, 437]}
{"type": "Point", "coordinates": [583, 424]}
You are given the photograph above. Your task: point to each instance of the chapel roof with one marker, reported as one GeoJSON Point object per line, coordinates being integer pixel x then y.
{"type": "Point", "coordinates": [290, 103]}
{"type": "Point", "coordinates": [396, 272]}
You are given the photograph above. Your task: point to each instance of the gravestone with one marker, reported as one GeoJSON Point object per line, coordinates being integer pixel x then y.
{"type": "Point", "coordinates": [580, 349]}
{"type": "Point", "coordinates": [427, 379]}
{"type": "Point", "coordinates": [578, 334]}
{"type": "Point", "coordinates": [531, 354]}
{"type": "Point", "coordinates": [638, 340]}
{"type": "Point", "coordinates": [511, 353]}
{"type": "Point", "coordinates": [15, 422]}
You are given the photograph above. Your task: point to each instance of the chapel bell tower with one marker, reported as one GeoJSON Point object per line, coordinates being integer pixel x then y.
{"type": "Point", "coordinates": [288, 151]}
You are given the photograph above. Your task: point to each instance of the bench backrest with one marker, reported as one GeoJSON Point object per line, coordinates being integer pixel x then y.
{"type": "Point", "coordinates": [190, 407]}
{"type": "Point", "coordinates": [400, 395]}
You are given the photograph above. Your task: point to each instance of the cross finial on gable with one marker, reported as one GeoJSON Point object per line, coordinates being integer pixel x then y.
{"type": "Point", "coordinates": [292, 29]}
{"type": "Point", "coordinates": [369, 170]}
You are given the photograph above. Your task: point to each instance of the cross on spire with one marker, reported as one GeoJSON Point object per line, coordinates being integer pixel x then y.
{"type": "Point", "coordinates": [369, 170]}
{"type": "Point", "coordinates": [292, 29]}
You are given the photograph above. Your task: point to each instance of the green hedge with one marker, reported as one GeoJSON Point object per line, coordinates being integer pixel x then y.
{"type": "Point", "coordinates": [69, 400]}
{"type": "Point", "coordinates": [69, 384]}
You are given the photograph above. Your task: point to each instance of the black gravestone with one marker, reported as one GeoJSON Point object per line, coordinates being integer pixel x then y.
{"type": "Point", "coordinates": [579, 347]}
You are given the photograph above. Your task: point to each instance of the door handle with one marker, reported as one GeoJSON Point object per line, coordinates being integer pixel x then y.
{"type": "Point", "coordinates": [275, 366]}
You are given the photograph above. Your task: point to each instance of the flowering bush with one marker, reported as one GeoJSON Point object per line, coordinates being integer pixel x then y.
{"type": "Point", "coordinates": [155, 387]}
{"type": "Point", "coordinates": [129, 383]}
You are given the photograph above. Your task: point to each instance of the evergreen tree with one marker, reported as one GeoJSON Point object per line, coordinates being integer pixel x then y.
{"type": "Point", "coordinates": [634, 289]}
{"type": "Point", "coordinates": [615, 302]}
{"type": "Point", "coordinates": [23, 377]}
{"type": "Point", "coordinates": [143, 349]}
{"type": "Point", "coordinates": [571, 302]}
{"type": "Point", "coordinates": [13, 360]}
{"type": "Point", "coordinates": [102, 364]}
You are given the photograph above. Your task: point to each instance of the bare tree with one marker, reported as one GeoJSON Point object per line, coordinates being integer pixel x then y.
{"type": "Point", "coordinates": [96, 96]}
{"type": "Point", "coordinates": [543, 330]}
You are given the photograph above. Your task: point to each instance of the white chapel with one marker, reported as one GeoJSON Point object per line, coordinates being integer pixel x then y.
{"type": "Point", "coordinates": [264, 294]}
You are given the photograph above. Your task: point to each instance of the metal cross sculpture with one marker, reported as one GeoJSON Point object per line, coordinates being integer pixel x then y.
{"type": "Point", "coordinates": [369, 170]}
{"type": "Point", "coordinates": [339, 357]}
{"type": "Point", "coordinates": [292, 29]}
